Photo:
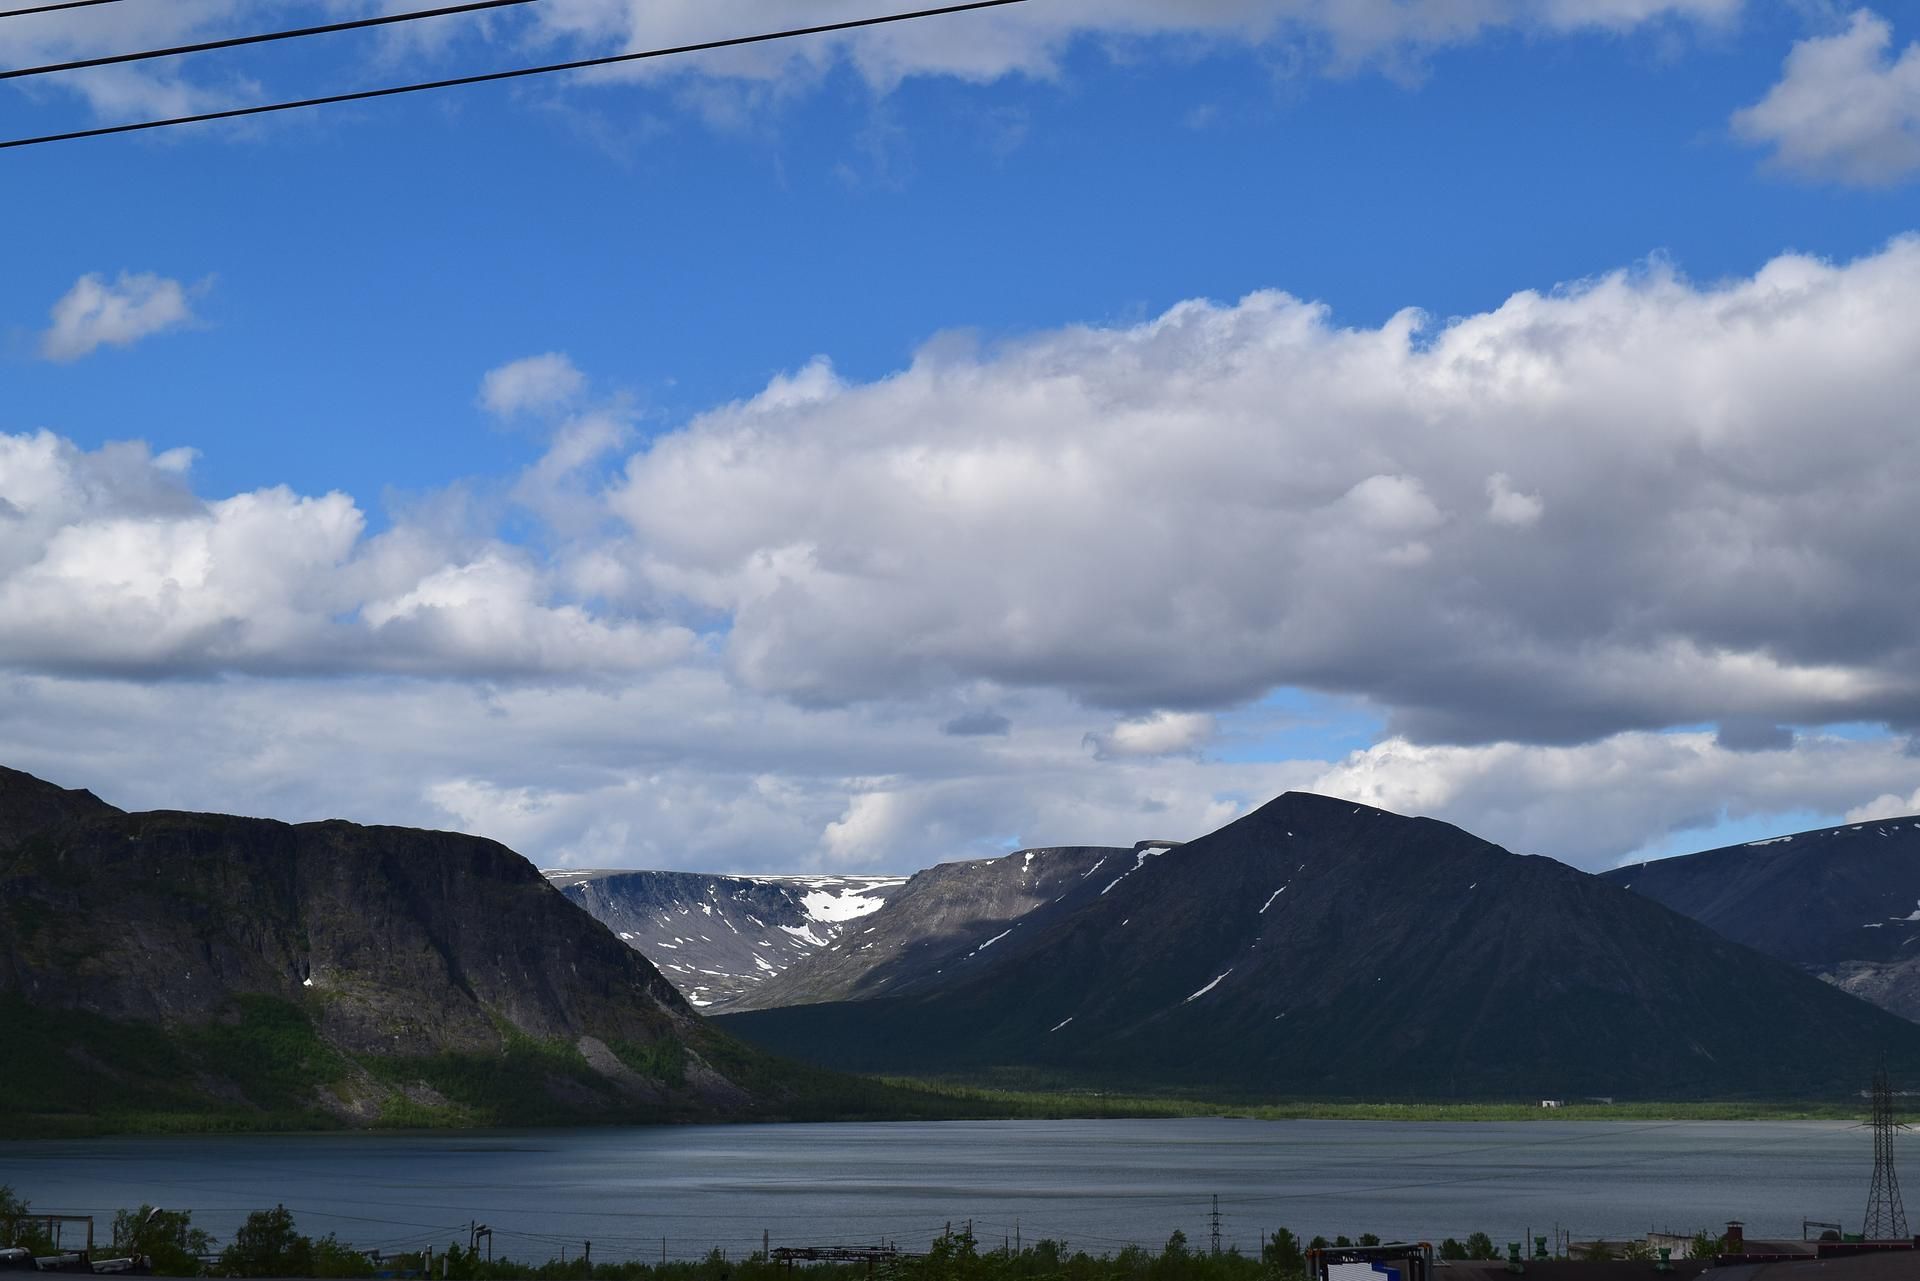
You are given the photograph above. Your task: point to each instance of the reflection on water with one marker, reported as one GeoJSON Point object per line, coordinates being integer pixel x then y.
{"type": "Point", "coordinates": [1096, 1184]}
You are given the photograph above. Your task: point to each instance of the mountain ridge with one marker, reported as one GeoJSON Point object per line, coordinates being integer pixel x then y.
{"type": "Point", "coordinates": [246, 972]}
{"type": "Point", "coordinates": [1315, 946]}
{"type": "Point", "coordinates": [1841, 902]}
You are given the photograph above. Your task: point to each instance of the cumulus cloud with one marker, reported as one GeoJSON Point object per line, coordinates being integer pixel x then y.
{"type": "Point", "coordinates": [112, 564]}
{"type": "Point", "coordinates": [97, 312]}
{"type": "Point", "coordinates": [1886, 805]}
{"type": "Point", "coordinates": [1184, 513]}
{"type": "Point", "coordinates": [535, 384]}
{"type": "Point", "coordinates": [1161, 734]}
{"type": "Point", "coordinates": [1508, 506]}
{"type": "Point", "coordinates": [1845, 110]}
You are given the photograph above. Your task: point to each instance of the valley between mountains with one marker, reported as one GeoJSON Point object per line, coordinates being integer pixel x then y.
{"type": "Point", "coordinates": [174, 970]}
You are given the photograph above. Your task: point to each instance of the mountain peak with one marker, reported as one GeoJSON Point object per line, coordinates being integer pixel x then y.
{"type": "Point", "coordinates": [29, 805]}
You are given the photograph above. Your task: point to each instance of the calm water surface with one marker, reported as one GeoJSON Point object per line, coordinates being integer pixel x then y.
{"type": "Point", "coordinates": [1096, 1184]}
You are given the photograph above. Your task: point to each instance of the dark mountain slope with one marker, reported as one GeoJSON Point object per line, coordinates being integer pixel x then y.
{"type": "Point", "coordinates": [935, 921]}
{"type": "Point", "coordinates": [29, 805]}
{"type": "Point", "coordinates": [1841, 902]}
{"type": "Point", "coordinates": [218, 970]}
{"type": "Point", "coordinates": [718, 938]}
{"type": "Point", "coordinates": [1324, 948]}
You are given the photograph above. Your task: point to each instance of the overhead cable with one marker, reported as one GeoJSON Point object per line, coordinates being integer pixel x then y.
{"type": "Point", "coordinates": [50, 8]}
{"type": "Point", "coordinates": [235, 42]}
{"type": "Point", "coordinates": [580, 64]}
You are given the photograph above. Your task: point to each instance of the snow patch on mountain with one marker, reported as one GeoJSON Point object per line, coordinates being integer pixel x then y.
{"type": "Point", "coordinates": [771, 922]}
{"type": "Point", "coordinates": [1216, 979]}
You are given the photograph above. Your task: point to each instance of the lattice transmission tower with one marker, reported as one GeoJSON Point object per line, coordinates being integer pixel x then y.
{"type": "Point", "coordinates": [1886, 1217]}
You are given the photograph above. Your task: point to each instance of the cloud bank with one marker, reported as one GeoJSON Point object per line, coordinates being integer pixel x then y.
{"type": "Point", "coordinates": [1591, 556]}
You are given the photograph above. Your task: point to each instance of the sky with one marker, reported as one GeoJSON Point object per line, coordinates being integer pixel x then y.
{"type": "Point", "coordinates": [1074, 422]}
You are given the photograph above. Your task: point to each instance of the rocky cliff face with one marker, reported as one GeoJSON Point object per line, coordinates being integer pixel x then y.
{"type": "Point", "coordinates": [1317, 947]}
{"type": "Point", "coordinates": [720, 938]}
{"type": "Point", "coordinates": [1840, 902]}
{"type": "Point", "coordinates": [382, 973]}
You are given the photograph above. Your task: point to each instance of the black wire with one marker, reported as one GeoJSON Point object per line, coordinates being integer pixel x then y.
{"type": "Point", "coordinates": [362, 95]}
{"type": "Point", "coordinates": [49, 8]}
{"type": "Point", "coordinates": [234, 42]}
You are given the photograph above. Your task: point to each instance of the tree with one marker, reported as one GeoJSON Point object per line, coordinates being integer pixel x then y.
{"type": "Point", "coordinates": [1283, 1251]}
{"type": "Point", "coordinates": [267, 1246]}
{"type": "Point", "coordinates": [1176, 1246]}
{"type": "Point", "coordinates": [1368, 1238]}
{"type": "Point", "coordinates": [1705, 1245]}
{"type": "Point", "coordinates": [167, 1237]}
{"type": "Point", "coordinates": [1480, 1246]}
{"type": "Point", "coordinates": [1452, 1251]}
{"type": "Point", "coordinates": [333, 1257]}
{"type": "Point", "coordinates": [1342, 1241]}
{"type": "Point", "coordinates": [1318, 1243]}
{"type": "Point", "coordinates": [16, 1231]}
{"type": "Point", "coordinates": [1596, 1251]}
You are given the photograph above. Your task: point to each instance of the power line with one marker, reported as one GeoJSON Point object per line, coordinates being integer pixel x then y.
{"type": "Point", "coordinates": [49, 8]}
{"type": "Point", "coordinates": [235, 42]}
{"type": "Point", "coordinates": [581, 64]}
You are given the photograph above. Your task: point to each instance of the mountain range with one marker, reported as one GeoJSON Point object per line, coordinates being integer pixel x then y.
{"type": "Point", "coordinates": [1319, 947]}
{"type": "Point", "coordinates": [214, 970]}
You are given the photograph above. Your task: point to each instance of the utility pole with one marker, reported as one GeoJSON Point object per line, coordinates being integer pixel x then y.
{"type": "Point", "coordinates": [1886, 1218]}
{"type": "Point", "coordinates": [1214, 1219]}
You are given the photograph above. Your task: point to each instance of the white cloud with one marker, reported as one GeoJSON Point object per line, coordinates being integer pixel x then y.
{"type": "Point", "coordinates": [113, 565]}
{"type": "Point", "coordinates": [1886, 805]}
{"type": "Point", "coordinates": [97, 312]}
{"type": "Point", "coordinates": [1845, 110]}
{"type": "Point", "coordinates": [1184, 513]}
{"type": "Point", "coordinates": [1161, 734]}
{"type": "Point", "coordinates": [679, 768]}
{"type": "Point", "coordinates": [1508, 506]}
{"type": "Point", "coordinates": [1595, 805]}
{"type": "Point", "coordinates": [535, 384]}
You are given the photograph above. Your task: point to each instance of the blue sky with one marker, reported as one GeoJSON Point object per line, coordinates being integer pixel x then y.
{"type": "Point", "coordinates": [336, 285]}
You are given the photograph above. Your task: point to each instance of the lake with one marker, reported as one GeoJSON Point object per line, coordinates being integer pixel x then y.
{"type": "Point", "coordinates": [1098, 1185]}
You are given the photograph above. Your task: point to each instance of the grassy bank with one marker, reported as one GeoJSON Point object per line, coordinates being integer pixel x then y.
{"type": "Point", "coordinates": [1066, 1103]}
